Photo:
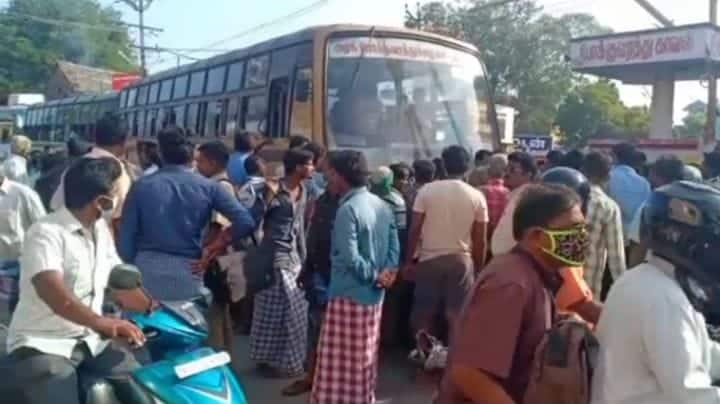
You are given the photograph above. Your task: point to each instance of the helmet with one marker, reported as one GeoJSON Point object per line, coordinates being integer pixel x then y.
{"type": "Point", "coordinates": [692, 173]}
{"type": "Point", "coordinates": [572, 179]}
{"type": "Point", "coordinates": [682, 223]}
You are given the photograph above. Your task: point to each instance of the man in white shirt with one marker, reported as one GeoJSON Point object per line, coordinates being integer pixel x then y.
{"type": "Point", "coordinates": [110, 139]}
{"type": "Point", "coordinates": [15, 167]}
{"type": "Point", "coordinates": [654, 344]}
{"type": "Point", "coordinates": [448, 233]}
{"type": "Point", "coordinates": [20, 207]}
{"type": "Point", "coordinates": [57, 336]}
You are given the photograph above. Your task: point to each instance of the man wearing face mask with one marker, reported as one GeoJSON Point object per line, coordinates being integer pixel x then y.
{"type": "Point", "coordinates": [506, 313]}
{"type": "Point", "coordinates": [654, 344]}
{"type": "Point", "coordinates": [58, 335]}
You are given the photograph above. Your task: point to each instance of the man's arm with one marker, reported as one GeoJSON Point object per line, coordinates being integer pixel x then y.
{"type": "Point", "coordinates": [478, 386]}
{"type": "Point", "coordinates": [348, 248]}
{"type": "Point", "coordinates": [615, 244]}
{"type": "Point", "coordinates": [33, 209]}
{"type": "Point", "coordinates": [129, 226]}
{"type": "Point", "coordinates": [393, 258]}
{"type": "Point", "coordinates": [670, 336]}
{"type": "Point", "coordinates": [242, 221]}
{"type": "Point", "coordinates": [416, 225]}
{"type": "Point", "coordinates": [479, 244]}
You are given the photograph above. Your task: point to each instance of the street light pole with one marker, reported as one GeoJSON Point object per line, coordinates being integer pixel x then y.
{"type": "Point", "coordinates": [141, 14]}
{"type": "Point", "coordinates": [710, 135]}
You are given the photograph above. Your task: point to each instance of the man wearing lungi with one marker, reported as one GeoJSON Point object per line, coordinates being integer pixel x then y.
{"type": "Point", "coordinates": [448, 233]}
{"type": "Point", "coordinates": [364, 259]}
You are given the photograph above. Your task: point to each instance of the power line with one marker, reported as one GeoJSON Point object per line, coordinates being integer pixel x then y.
{"type": "Point", "coordinates": [298, 13]}
{"type": "Point", "coordinates": [77, 24]}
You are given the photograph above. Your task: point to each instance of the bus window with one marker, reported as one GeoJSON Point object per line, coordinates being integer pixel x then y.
{"type": "Point", "coordinates": [180, 88]}
{"type": "Point", "coordinates": [213, 118]}
{"type": "Point", "coordinates": [235, 73]}
{"type": "Point", "coordinates": [200, 126]}
{"type": "Point", "coordinates": [257, 71]}
{"type": "Point", "coordinates": [132, 93]}
{"type": "Point", "coordinates": [134, 124]}
{"type": "Point", "coordinates": [142, 95]}
{"type": "Point", "coordinates": [233, 116]}
{"type": "Point", "coordinates": [123, 98]}
{"type": "Point", "coordinates": [277, 122]}
{"type": "Point", "coordinates": [216, 80]}
{"type": "Point", "coordinates": [154, 89]}
{"type": "Point", "coordinates": [179, 112]}
{"type": "Point", "coordinates": [197, 83]}
{"type": "Point", "coordinates": [301, 111]}
{"type": "Point", "coordinates": [255, 108]}
{"type": "Point", "coordinates": [141, 123]}
{"type": "Point", "coordinates": [166, 90]}
{"type": "Point", "coordinates": [150, 122]}
{"type": "Point", "coordinates": [192, 118]}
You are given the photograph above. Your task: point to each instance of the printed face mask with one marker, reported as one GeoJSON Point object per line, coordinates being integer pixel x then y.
{"type": "Point", "coordinates": [568, 246]}
{"type": "Point", "coordinates": [107, 208]}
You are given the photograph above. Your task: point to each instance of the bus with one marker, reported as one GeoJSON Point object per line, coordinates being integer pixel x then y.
{"type": "Point", "coordinates": [394, 93]}
{"type": "Point", "coordinates": [54, 122]}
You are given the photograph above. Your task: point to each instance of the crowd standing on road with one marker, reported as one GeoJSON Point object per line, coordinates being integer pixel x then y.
{"type": "Point", "coordinates": [486, 256]}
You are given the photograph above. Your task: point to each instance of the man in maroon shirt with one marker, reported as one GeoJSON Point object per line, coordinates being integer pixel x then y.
{"type": "Point", "coordinates": [511, 306]}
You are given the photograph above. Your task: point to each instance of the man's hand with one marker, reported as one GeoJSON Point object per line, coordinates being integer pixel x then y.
{"type": "Point", "coordinates": [407, 271]}
{"type": "Point", "coordinates": [386, 278]}
{"type": "Point", "coordinates": [116, 328]}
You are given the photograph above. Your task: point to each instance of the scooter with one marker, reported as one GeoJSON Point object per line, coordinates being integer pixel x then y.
{"type": "Point", "coordinates": [183, 369]}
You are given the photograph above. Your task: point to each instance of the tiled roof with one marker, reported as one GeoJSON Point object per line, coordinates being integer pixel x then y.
{"type": "Point", "coordinates": [86, 79]}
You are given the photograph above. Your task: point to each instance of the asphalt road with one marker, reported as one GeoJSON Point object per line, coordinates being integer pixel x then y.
{"type": "Point", "coordinates": [397, 384]}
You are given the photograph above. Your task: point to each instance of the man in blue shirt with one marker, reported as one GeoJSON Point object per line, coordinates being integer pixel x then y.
{"type": "Point", "coordinates": [244, 146]}
{"type": "Point", "coordinates": [364, 258]}
{"type": "Point", "coordinates": [164, 218]}
{"type": "Point", "coordinates": [628, 188]}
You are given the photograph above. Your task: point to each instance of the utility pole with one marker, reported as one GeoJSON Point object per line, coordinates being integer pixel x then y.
{"type": "Point", "coordinates": [710, 121]}
{"type": "Point", "coordinates": [140, 6]}
{"type": "Point", "coordinates": [664, 21]}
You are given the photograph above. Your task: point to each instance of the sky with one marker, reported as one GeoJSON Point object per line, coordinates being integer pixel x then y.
{"type": "Point", "coordinates": [229, 24]}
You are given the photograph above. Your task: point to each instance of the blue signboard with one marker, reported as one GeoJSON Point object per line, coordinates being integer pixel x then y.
{"type": "Point", "coordinates": [534, 144]}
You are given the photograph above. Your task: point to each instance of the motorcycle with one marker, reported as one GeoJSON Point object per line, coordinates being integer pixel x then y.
{"type": "Point", "coordinates": [183, 370]}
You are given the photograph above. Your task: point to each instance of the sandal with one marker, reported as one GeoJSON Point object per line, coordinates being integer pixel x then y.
{"type": "Point", "coordinates": [297, 388]}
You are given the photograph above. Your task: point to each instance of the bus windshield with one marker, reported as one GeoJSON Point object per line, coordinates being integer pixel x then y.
{"type": "Point", "coordinates": [404, 99]}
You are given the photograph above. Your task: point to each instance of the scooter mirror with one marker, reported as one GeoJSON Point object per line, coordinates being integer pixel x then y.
{"type": "Point", "coordinates": [125, 277]}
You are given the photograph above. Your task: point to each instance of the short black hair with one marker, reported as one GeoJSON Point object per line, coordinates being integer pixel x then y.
{"type": "Point", "coordinates": [574, 159]}
{"type": "Point", "coordinates": [316, 149]}
{"type": "Point", "coordinates": [52, 160]}
{"type": "Point", "coordinates": [88, 178]}
{"type": "Point", "coordinates": [540, 204]}
{"type": "Point", "coordinates": [625, 154]}
{"type": "Point", "coordinates": [401, 170]}
{"type": "Point", "coordinates": [297, 141]}
{"type": "Point", "coordinates": [243, 141]}
{"type": "Point", "coordinates": [669, 168]}
{"type": "Point", "coordinates": [352, 166]}
{"type": "Point", "coordinates": [294, 158]}
{"type": "Point", "coordinates": [216, 151]}
{"type": "Point", "coordinates": [175, 146]}
{"type": "Point", "coordinates": [526, 162]}
{"type": "Point", "coordinates": [597, 165]}
{"type": "Point", "coordinates": [77, 147]}
{"type": "Point", "coordinates": [152, 152]}
{"type": "Point", "coordinates": [253, 166]}
{"type": "Point", "coordinates": [424, 171]}
{"type": "Point", "coordinates": [481, 155]}
{"type": "Point", "coordinates": [555, 157]}
{"type": "Point", "coordinates": [440, 172]}
{"type": "Point", "coordinates": [110, 130]}
{"type": "Point", "coordinates": [456, 160]}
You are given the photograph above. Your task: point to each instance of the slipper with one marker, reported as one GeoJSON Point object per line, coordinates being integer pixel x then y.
{"type": "Point", "coordinates": [297, 388]}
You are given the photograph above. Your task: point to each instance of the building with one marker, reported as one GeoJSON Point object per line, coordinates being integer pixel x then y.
{"type": "Point", "coordinates": [70, 79]}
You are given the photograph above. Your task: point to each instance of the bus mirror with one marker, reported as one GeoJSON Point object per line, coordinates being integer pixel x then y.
{"type": "Point", "coordinates": [302, 90]}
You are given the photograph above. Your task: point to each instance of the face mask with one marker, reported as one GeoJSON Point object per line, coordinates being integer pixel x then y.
{"type": "Point", "coordinates": [568, 246]}
{"type": "Point", "coordinates": [106, 211]}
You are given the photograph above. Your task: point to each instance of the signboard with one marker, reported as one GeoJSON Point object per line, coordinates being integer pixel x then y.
{"type": "Point", "coordinates": [537, 145]}
{"type": "Point", "coordinates": [120, 81]}
{"type": "Point", "coordinates": [666, 45]}
{"type": "Point", "coordinates": [395, 48]}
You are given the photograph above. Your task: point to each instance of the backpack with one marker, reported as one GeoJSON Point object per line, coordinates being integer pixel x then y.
{"type": "Point", "coordinates": [563, 364]}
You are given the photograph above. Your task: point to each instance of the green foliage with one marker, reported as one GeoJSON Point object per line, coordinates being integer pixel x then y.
{"type": "Point", "coordinates": [523, 49]}
{"type": "Point", "coordinates": [30, 48]}
{"type": "Point", "coordinates": [694, 122]}
{"type": "Point", "coordinates": [593, 108]}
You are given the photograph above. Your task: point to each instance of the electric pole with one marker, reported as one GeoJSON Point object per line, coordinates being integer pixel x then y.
{"type": "Point", "coordinates": [664, 21]}
{"type": "Point", "coordinates": [140, 6]}
{"type": "Point", "coordinates": [710, 135]}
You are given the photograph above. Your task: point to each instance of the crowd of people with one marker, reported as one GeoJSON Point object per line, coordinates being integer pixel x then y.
{"type": "Point", "coordinates": [340, 257]}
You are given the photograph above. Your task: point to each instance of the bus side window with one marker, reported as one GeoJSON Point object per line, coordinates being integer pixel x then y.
{"type": "Point", "coordinates": [301, 108]}
{"type": "Point", "coordinates": [277, 116]}
{"type": "Point", "coordinates": [255, 113]}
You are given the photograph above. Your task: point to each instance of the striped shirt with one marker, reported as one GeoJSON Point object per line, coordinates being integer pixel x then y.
{"type": "Point", "coordinates": [607, 248]}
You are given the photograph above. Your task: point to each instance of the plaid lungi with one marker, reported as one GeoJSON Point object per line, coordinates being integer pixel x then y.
{"type": "Point", "coordinates": [278, 336]}
{"type": "Point", "coordinates": [346, 371]}
{"type": "Point", "coordinates": [168, 277]}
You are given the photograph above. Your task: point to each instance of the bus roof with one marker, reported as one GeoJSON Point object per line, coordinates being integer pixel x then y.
{"type": "Point", "coordinates": [303, 35]}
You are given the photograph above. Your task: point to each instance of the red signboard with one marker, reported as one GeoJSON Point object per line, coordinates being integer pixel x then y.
{"type": "Point", "coordinates": [120, 81]}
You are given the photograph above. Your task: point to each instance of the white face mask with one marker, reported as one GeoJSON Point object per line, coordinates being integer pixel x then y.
{"type": "Point", "coordinates": [107, 214]}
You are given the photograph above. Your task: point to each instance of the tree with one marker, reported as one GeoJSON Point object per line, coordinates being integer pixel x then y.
{"type": "Point", "coordinates": [524, 50]}
{"type": "Point", "coordinates": [694, 121]}
{"type": "Point", "coordinates": [593, 108]}
{"type": "Point", "coordinates": [38, 33]}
